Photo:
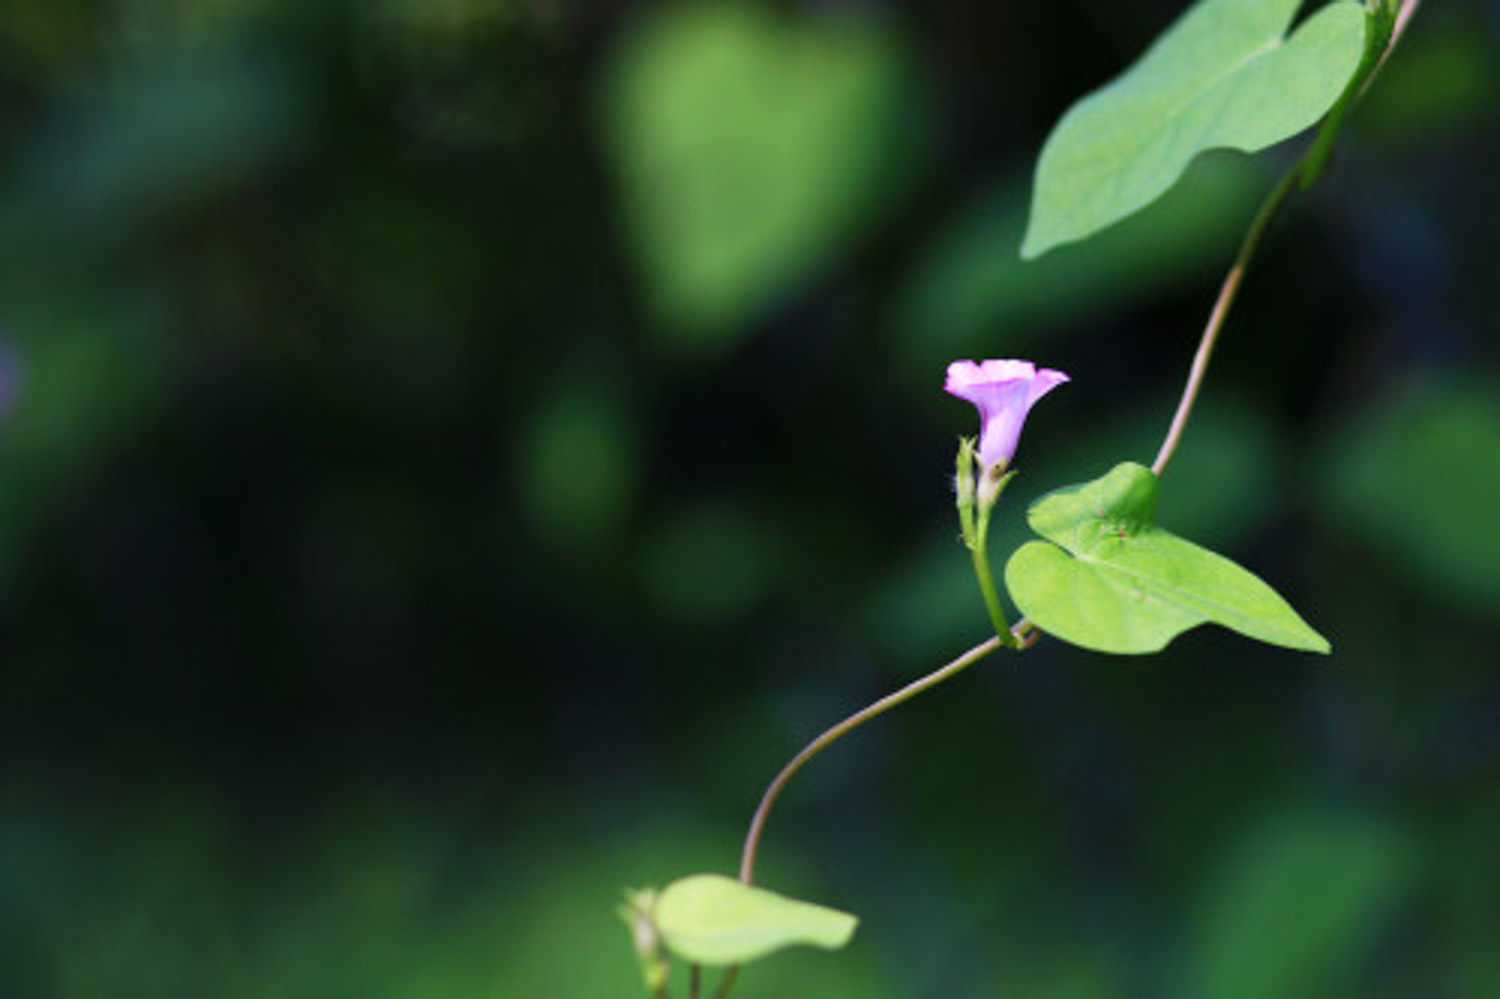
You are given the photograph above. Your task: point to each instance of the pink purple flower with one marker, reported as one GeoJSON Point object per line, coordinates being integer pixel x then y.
{"type": "Point", "coordinates": [1004, 392]}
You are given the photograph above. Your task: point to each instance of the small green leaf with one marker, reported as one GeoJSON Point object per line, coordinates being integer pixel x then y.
{"type": "Point", "coordinates": [1222, 76]}
{"type": "Point", "coordinates": [710, 919]}
{"type": "Point", "coordinates": [1115, 582]}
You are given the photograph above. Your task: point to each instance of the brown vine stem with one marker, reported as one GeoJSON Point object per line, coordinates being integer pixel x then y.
{"type": "Point", "coordinates": [1408, 8]}
{"type": "Point", "coordinates": [828, 738]}
{"type": "Point", "coordinates": [1220, 312]}
{"type": "Point", "coordinates": [1305, 170]}
{"type": "Point", "coordinates": [1024, 634]}
{"type": "Point", "coordinates": [843, 728]}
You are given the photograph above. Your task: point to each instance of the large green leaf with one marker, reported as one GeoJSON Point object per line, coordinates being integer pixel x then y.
{"type": "Point", "coordinates": [714, 920]}
{"type": "Point", "coordinates": [1113, 581]}
{"type": "Point", "coordinates": [1223, 76]}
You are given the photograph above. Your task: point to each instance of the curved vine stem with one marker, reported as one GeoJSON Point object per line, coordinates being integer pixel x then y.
{"type": "Point", "coordinates": [1220, 312]}
{"type": "Point", "coordinates": [843, 728]}
{"type": "Point", "coordinates": [1306, 170]}
{"type": "Point", "coordinates": [831, 735]}
{"type": "Point", "coordinates": [1024, 634]}
{"type": "Point", "coordinates": [1403, 17]}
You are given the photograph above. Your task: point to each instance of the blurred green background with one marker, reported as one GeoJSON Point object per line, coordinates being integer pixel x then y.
{"type": "Point", "coordinates": [455, 451]}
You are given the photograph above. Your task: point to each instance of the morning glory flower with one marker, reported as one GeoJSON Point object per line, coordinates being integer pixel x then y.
{"type": "Point", "coordinates": [1004, 392]}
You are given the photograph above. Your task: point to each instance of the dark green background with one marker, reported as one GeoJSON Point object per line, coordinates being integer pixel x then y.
{"type": "Point", "coordinates": [460, 448]}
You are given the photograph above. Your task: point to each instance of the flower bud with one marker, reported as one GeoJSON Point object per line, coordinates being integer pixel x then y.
{"type": "Point", "coordinates": [638, 913]}
{"type": "Point", "coordinates": [963, 488]}
{"type": "Point", "coordinates": [963, 477]}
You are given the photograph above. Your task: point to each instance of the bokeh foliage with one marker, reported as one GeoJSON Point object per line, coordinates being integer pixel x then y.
{"type": "Point", "coordinates": [454, 451]}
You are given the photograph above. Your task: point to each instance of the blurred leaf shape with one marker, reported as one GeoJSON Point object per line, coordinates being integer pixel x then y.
{"type": "Point", "coordinates": [454, 17]}
{"type": "Point", "coordinates": [450, 69]}
{"type": "Point", "coordinates": [1443, 82]}
{"type": "Point", "coordinates": [1296, 907]}
{"type": "Point", "coordinates": [714, 920]}
{"type": "Point", "coordinates": [94, 366]}
{"type": "Point", "coordinates": [163, 25]}
{"type": "Point", "coordinates": [51, 43]}
{"type": "Point", "coordinates": [1222, 76]}
{"type": "Point", "coordinates": [84, 388]}
{"type": "Point", "coordinates": [579, 464]}
{"type": "Point", "coordinates": [970, 281]}
{"type": "Point", "coordinates": [709, 563]}
{"type": "Point", "coordinates": [169, 136]}
{"type": "Point", "coordinates": [1416, 478]}
{"type": "Point", "coordinates": [748, 146]}
{"type": "Point", "coordinates": [1112, 581]}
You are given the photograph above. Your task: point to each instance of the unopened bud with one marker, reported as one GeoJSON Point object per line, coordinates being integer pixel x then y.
{"type": "Point", "coordinates": [638, 913]}
{"type": "Point", "coordinates": [963, 488]}
{"type": "Point", "coordinates": [963, 477]}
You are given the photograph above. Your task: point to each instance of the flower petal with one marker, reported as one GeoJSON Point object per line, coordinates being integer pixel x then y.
{"type": "Point", "coordinates": [1004, 391]}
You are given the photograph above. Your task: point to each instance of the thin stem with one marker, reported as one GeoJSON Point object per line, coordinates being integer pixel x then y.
{"type": "Point", "coordinates": [695, 981]}
{"type": "Point", "coordinates": [843, 728]}
{"type": "Point", "coordinates": [986, 578]}
{"type": "Point", "coordinates": [1024, 634]}
{"type": "Point", "coordinates": [1403, 16]}
{"type": "Point", "coordinates": [828, 738]}
{"type": "Point", "coordinates": [1308, 166]}
{"type": "Point", "coordinates": [727, 982]}
{"type": "Point", "coordinates": [1220, 312]}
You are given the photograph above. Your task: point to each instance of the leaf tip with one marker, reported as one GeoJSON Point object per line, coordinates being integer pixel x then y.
{"type": "Point", "coordinates": [1039, 237]}
{"type": "Point", "coordinates": [1307, 639]}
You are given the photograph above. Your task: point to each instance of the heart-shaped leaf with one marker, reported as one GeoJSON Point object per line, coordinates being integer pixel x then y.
{"type": "Point", "coordinates": [1111, 580]}
{"type": "Point", "coordinates": [1222, 76]}
{"type": "Point", "coordinates": [749, 146]}
{"type": "Point", "coordinates": [713, 920]}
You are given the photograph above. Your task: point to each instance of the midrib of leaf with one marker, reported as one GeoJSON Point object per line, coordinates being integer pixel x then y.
{"type": "Point", "coordinates": [1265, 49]}
{"type": "Point", "coordinates": [1184, 597]}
